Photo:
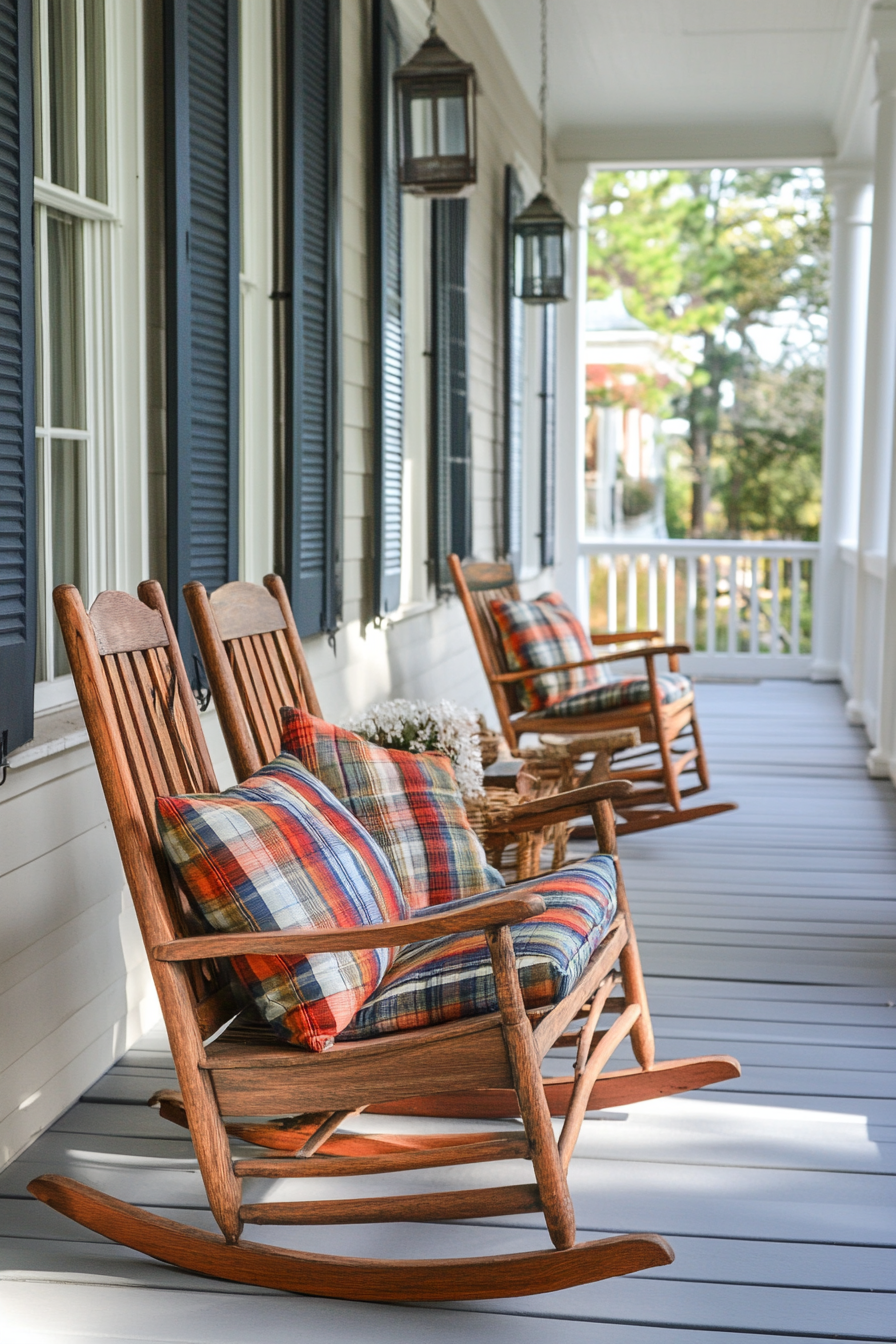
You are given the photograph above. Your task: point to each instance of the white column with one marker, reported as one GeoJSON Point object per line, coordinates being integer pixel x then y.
{"type": "Point", "coordinates": [841, 465]}
{"type": "Point", "coordinates": [880, 363]}
{"type": "Point", "coordinates": [569, 576]}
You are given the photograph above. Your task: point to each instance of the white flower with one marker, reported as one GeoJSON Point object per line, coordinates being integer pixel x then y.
{"type": "Point", "coordinates": [413, 725]}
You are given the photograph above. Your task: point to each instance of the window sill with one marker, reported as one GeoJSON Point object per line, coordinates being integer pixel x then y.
{"type": "Point", "coordinates": [61, 730]}
{"type": "Point", "coordinates": [409, 611]}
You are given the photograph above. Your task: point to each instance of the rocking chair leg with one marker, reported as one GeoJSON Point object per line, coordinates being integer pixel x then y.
{"type": "Point", "coordinates": [702, 767]}
{"type": "Point", "coordinates": [222, 1186]}
{"type": "Point", "coordinates": [559, 1213]}
{"type": "Point", "coordinates": [670, 779]}
{"type": "Point", "coordinates": [642, 1038]}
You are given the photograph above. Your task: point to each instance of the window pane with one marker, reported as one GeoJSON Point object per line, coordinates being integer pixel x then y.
{"type": "Point", "coordinates": [63, 54]}
{"type": "Point", "coordinates": [41, 672]}
{"type": "Point", "coordinates": [421, 128]}
{"type": "Point", "coordinates": [66, 353]}
{"type": "Point", "coordinates": [452, 126]}
{"type": "Point", "coordinates": [38, 109]}
{"type": "Point", "coordinates": [38, 322]}
{"type": "Point", "coordinates": [95, 97]}
{"type": "Point", "coordinates": [68, 523]}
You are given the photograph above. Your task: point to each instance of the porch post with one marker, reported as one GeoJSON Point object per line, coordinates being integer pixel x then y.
{"type": "Point", "coordinates": [841, 467]}
{"type": "Point", "coordinates": [880, 363]}
{"type": "Point", "coordinates": [569, 576]}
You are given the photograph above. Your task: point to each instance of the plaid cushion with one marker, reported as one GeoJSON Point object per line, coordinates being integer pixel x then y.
{"type": "Point", "coordinates": [544, 633]}
{"type": "Point", "coordinates": [409, 803]}
{"type": "Point", "coordinates": [451, 977]}
{"type": "Point", "coordinates": [279, 852]}
{"type": "Point", "coordinates": [623, 691]}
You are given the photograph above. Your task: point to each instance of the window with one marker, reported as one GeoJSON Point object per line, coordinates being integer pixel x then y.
{"type": "Point", "coordinates": [308, 285]}
{"type": "Point", "coordinates": [71, 224]}
{"type": "Point", "coordinates": [415, 559]}
{"type": "Point", "coordinates": [451, 485]}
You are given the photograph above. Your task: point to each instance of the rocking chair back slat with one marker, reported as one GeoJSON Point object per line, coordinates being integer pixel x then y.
{"type": "Point", "coordinates": [477, 583]}
{"type": "Point", "coordinates": [255, 663]}
{"type": "Point", "coordinates": [148, 743]}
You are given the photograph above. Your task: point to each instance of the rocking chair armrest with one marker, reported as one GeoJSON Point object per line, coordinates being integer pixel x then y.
{"type": "Point", "coordinates": [565, 806]}
{"type": "Point", "coordinates": [624, 636]}
{"type": "Point", "coordinates": [642, 651]}
{"type": "Point", "coordinates": [488, 914]}
{"type": "Point", "coordinates": [527, 673]}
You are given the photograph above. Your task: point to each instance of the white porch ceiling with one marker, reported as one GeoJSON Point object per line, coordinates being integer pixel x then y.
{"type": "Point", "coordinates": [697, 81]}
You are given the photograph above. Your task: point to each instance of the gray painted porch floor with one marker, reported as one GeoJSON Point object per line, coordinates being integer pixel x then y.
{"type": "Point", "coordinates": [767, 933]}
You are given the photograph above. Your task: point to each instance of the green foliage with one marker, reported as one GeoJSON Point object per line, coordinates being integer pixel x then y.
{"type": "Point", "coordinates": [678, 495]}
{"type": "Point", "coordinates": [708, 259]}
{"type": "Point", "coordinates": [771, 455]}
{"type": "Point", "coordinates": [638, 497]}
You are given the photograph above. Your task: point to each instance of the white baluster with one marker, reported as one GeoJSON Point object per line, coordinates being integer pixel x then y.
{"type": "Point", "coordinates": [732, 605]}
{"type": "Point", "coordinates": [631, 593]}
{"type": "Point", "coordinates": [776, 606]}
{"type": "Point", "coordinates": [794, 607]}
{"type": "Point", "coordinates": [612, 613]}
{"type": "Point", "coordinates": [754, 605]}
{"type": "Point", "coordinates": [652, 603]}
{"type": "Point", "coordinates": [711, 585]}
{"type": "Point", "coordinates": [691, 611]}
{"type": "Point", "coordinates": [670, 599]}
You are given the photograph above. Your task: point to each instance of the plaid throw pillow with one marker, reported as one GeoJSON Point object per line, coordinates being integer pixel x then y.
{"type": "Point", "coordinates": [409, 802]}
{"type": "Point", "coordinates": [544, 633]}
{"type": "Point", "coordinates": [279, 852]}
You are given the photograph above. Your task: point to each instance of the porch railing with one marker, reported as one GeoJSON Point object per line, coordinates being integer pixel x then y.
{"type": "Point", "coordinates": [745, 607]}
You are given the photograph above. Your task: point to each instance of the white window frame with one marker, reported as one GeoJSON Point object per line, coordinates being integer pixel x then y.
{"type": "Point", "coordinates": [97, 222]}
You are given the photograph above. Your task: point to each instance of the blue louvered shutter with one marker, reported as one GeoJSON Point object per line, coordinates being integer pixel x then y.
{"type": "Point", "coordinates": [386, 310]}
{"type": "Point", "coordinates": [202, 279]}
{"type": "Point", "coordinates": [312, 507]}
{"type": "Point", "coordinates": [18, 560]}
{"type": "Point", "coordinates": [452, 502]}
{"type": "Point", "coordinates": [548, 432]}
{"type": "Point", "coordinates": [514, 357]}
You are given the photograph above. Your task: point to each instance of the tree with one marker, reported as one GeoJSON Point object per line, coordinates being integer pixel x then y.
{"type": "Point", "coordinates": [709, 259]}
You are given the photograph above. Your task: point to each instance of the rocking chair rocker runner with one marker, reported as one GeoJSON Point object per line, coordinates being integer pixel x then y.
{"type": "Point", "coordinates": [148, 742]}
{"type": "Point", "coordinates": [255, 663]}
{"type": "Point", "coordinates": [657, 799]}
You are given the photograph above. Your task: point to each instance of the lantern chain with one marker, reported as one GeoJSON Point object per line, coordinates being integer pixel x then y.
{"type": "Point", "coordinates": [543, 94]}
{"type": "Point", "coordinates": [431, 21]}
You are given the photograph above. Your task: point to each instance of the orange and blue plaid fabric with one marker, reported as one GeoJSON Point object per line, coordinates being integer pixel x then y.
{"type": "Point", "coordinates": [623, 691]}
{"type": "Point", "coordinates": [545, 633]}
{"type": "Point", "coordinates": [280, 852]}
{"type": "Point", "coordinates": [408, 801]}
{"type": "Point", "coordinates": [451, 977]}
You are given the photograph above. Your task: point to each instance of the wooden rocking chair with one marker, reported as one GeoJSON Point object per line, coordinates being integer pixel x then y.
{"type": "Point", "coordinates": [657, 799]}
{"type": "Point", "coordinates": [148, 742]}
{"type": "Point", "coordinates": [255, 664]}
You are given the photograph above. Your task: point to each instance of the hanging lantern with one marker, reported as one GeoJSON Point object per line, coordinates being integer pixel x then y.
{"type": "Point", "coordinates": [540, 252]}
{"type": "Point", "coordinates": [436, 96]}
{"type": "Point", "coordinates": [540, 232]}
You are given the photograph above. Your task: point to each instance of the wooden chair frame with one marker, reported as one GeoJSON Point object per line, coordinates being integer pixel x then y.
{"type": "Point", "coordinates": [147, 740]}
{"type": "Point", "coordinates": [658, 798]}
{"type": "Point", "coordinates": [242, 632]}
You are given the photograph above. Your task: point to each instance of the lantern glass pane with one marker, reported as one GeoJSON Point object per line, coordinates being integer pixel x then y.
{"type": "Point", "coordinates": [452, 126]}
{"type": "Point", "coordinates": [533, 273]}
{"type": "Point", "coordinates": [553, 258]}
{"type": "Point", "coordinates": [422, 137]}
